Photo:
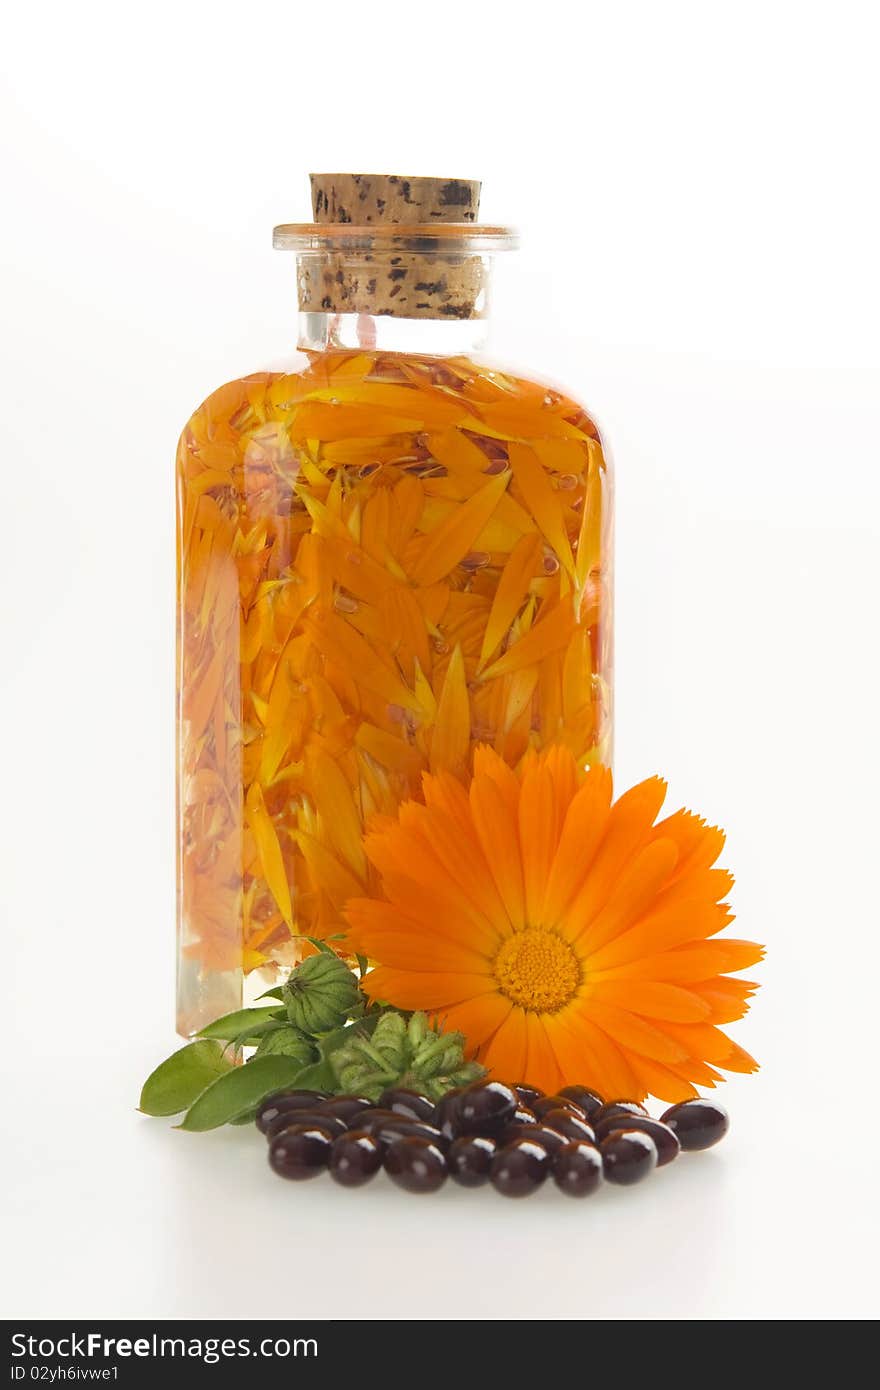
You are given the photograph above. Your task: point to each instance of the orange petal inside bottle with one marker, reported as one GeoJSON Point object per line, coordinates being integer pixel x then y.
{"type": "Point", "coordinates": [384, 560]}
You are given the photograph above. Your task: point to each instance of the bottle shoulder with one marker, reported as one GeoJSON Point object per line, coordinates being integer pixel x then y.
{"type": "Point", "coordinates": [228, 401]}
{"type": "Point", "coordinates": [547, 388]}
{"type": "Point", "coordinates": [344, 394]}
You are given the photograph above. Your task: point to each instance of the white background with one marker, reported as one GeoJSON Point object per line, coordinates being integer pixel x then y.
{"type": "Point", "coordinates": [696, 190]}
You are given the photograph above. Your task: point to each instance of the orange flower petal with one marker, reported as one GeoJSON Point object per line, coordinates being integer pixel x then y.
{"type": "Point", "coordinates": [541, 1059]}
{"type": "Point", "coordinates": [582, 832]}
{"type": "Point", "coordinates": [505, 1056]}
{"type": "Point", "coordinates": [635, 891]}
{"type": "Point", "coordinates": [451, 738]}
{"type": "Point", "coordinates": [441, 918]}
{"type": "Point", "coordinates": [700, 1073]}
{"type": "Point", "coordinates": [422, 889]}
{"type": "Point", "coordinates": [737, 1059]}
{"type": "Point", "coordinates": [496, 828]}
{"type": "Point", "coordinates": [511, 592]}
{"type": "Point", "coordinates": [407, 503]}
{"type": "Point", "coordinates": [537, 836]}
{"type": "Point", "coordinates": [445, 793]}
{"type": "Point", "coordinates": [699, 844]}
{"type": "Point", "coordinates": [472, 879]}
{"type": "Point", "coordinates": [589, 542]}
{"type": "Point", "coordinates": [403, 628]}
{"type": "Point", "coordinates": [577, 675]}
{"type": "Point", "coordinates": [413, 949]}
{"type": "Point", "coordinates": [630, 1031]}
{"type": "Point", "coordinates": [542, 499]}
{"type": "Point", "coordinates": [390, 751]}
{"type": "Point", "coordinates": [626, 831]}
{"type": "Point", "coordinates": [654, 1000]}
{"type": "Point", "coordinates": [687, 963]}
{"type": "Point", "coordinates": [659, 1081]}
{"type": "Point", "coordinates": [269, 850]}
{"type": "Point", "coordinates": [464, 865]}
{"type": "Point", "coordinates": [451, 540]}
{"type": "Point", "coordinates": [479, 1018]}
{"type": "Point", "coordinates": [660, 930]}
{"type": "Point", "coordinates": [343, 645]}
{"type": "Point", "coordinates": [335, 802]}
{"type": "Point", "coordinates": [701, 1040]}
{"type": "Point", "coordinates": [487, 763]}
{"type": "Point", "coordinates": [553, 630]}
{"type": "Point", "coordinates": [726, 999]}
{"type": "Point", "coordinates": [587, 1054]}
{"type": "Point", "coordinates": [426, 989]}
{"type": "Point", "coordinates": [700, 884]}
{"type": "Point", "coordinates": [327, 869]}
{"type": "Point", "coordinates": [565, 779]}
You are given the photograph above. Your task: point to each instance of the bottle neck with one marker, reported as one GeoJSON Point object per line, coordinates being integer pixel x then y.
{"type": "Point", "coordinates": [421, 337]}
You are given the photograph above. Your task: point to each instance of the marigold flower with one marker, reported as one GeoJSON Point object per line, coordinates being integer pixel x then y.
{"type": "Point", "coordinates": [569, 939]}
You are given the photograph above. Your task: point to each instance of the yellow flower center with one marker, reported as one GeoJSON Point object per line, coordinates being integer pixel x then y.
{"type": "Point", "coordinates": [537, 970]}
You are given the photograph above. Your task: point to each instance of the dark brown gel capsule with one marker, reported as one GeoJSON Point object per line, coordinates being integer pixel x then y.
{"type": "Point", "coordinates": [589, 1101]}
{"type": "Point", "coordinates": [301, 1152]}
{"type": "Point", "coordinates": [345, 1108]}
{"type": "Point", "coordinates": [445, 1112]}
{"type": "Point", "coordinates": [628, 1156]}
{"type": "Point", "coordinates": [485, 1108]}
{"type": "Point", "coordinates": [288, 1118]}
{"type": "Point", "coordinates": [522, 1115]}
{"type": "Point", "coordinates": [569, 1124]}
{"type": "Point", "coordinates": [665, 1138]}
{"type": "Point", "coordinates": [470, 1159]}
{"type": "Point", "coordinates": [355, 1158]}
{"type": "Point", "coordinates": [416, 1164]}
{"type": "Point", "coordinates": [270, 1108]}
{"type": "Point", "coordinates": [412, 1105]}
{"type": "Point", "coordinates": [547, 1103]}
{"type": "Point", "coordinates": [388, 1131]}
{"type": "Point", "coordinates": [617, 1108]}
{"type": "Point", "coordinates": [577, 1169]}
{"type": "Point", "coordinates": [697, 1124]}
{"type": "Point", "coordinates": [528, 1094]}
{"type": "Point", "coordinates": [375, 1116]}
{"type": "Point", "coordinates": [520, 1168]}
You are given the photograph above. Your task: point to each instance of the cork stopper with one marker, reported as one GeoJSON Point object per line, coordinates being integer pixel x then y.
{"type": "Point", "coordinates": [391, 198]}
{"type": "Point", "coordinates": [380, 253]}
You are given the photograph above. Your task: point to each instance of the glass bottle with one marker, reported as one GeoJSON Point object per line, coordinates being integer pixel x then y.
{"type": "Point", "coordinates": [386, 555]}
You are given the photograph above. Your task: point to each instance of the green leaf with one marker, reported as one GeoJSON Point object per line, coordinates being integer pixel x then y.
{"type": "Point", "coordinates": [276, 993]}
{"type": "Point", "coordinates": [361, 1027]}
{"type": "Point", "coordinates": [322, 945]}
{"type": "Point", "coordinates": [236, 1025]}
{"type": "Point", "coordinates": [257, 1032]}
{"type": "Point", "coordinates": [176, 1082]}
{"type": "Point", "coordinates": [363, 965]}
{"type": "Point", "coordinates": [285, 1041]}
{"type": "Point", "coordinates": [318, 1076]}
{"type": "Point", "coordinates": [246, 1117]}
{"type": "Point", "coordinates": [238, 1090]}
{"type": "Point", "coordinates": [323, 1076]}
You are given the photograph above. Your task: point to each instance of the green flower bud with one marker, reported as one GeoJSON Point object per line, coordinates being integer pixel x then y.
{"type": "Point", "coordinates": [286, 1042]}
{"type": "Point", "coordinates": [417, 1030]}
{"type": "Point", "coordinates": [400, 1054]}
{"type": "Point", "coordinates": [320, 994]}
{"type": "Point", "coordinates": [390, 1040]}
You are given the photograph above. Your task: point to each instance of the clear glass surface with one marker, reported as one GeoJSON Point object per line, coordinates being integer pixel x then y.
{"type": "Point", "coordinates": [385, 558]}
